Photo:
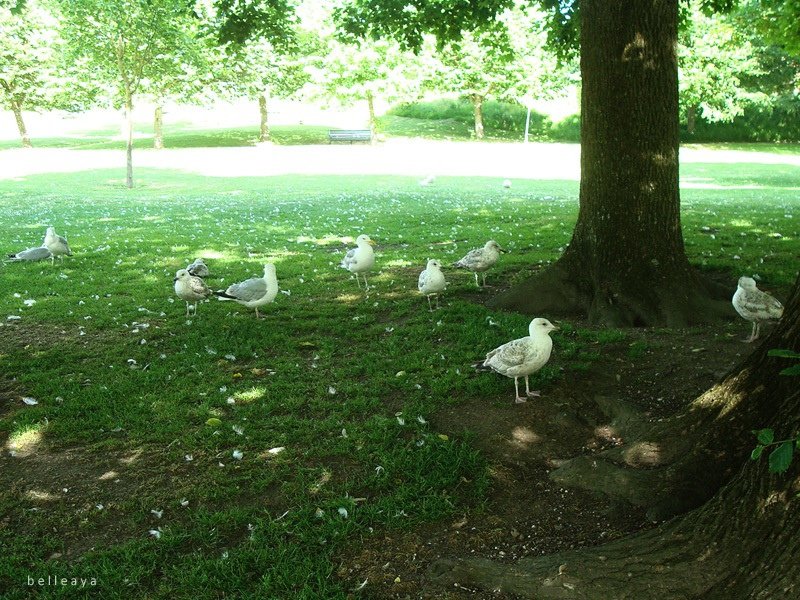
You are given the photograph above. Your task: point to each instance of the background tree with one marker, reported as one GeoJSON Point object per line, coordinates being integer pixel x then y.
{"type": "Point", "coordinates": [127, 43]}
{"type": "Point", "coordinates": [713, 56]}
{"type": "Point", "coordinates": [29, 69]}
{"type": "Point", "coordinates": [368, 72]}
{"type": "Point", "coordinates": [260, 71]}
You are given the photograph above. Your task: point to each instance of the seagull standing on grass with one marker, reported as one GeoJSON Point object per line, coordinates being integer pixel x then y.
{"type": "Point", "coordinates": [254, 292]}
{"type": "Point", "coordinates": [190, 289]}
{"type": "Point", "coordinates": [522, 357]}
{"type": "Point", "coordinates": [754, 305]}
{"type": "Point", "coordinates": [480, 260]}
{"type": "Point", "coordinates": [432, 282]}
{"type": "Point", "coordinates": [57, 244]}
{"type": "Point", "coordinates": [198, 268]}
{"type": "Point", "coordinates": [360, 259]}
{"type": "Point", "coordinates": [32, 254]}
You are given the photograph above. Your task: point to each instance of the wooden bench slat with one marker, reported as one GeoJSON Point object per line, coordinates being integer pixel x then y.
{"type": "Point", "coordinates": [349, 135]}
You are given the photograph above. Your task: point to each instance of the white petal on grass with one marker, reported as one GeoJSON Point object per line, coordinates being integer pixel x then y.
{"type": "Point", "coordinates": [237, 454]}
{"type": "Point", "coordinates": [155, 533]}
{"type": "Point", "coordinates": [157, 513]}
{"type": "Point", "coordinates": [238, 429]}
{"type": "Point", "coordinates": [343, 511]}
{"type": "Point", "coordinates": [30, 401]}
{"type": "Point", "coordinates": [276, 450]}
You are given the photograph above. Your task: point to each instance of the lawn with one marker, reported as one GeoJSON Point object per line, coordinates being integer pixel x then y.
{"type": "Point", "coordinates": [123, 471]}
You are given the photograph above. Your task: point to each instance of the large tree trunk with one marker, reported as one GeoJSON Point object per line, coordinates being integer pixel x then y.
{"type": "Point", "coordinates": [625, 264]}
{"type": "Point", "coordinates": [264, 135]}
{"type": "Point", "coordinates": [477, 113]}
{"type": "Point", "coordinates": [158, 128]}
{"type": "Point", "coordinates": [742, 543]}
{"type": "Point", "coordinates": [23, 131]}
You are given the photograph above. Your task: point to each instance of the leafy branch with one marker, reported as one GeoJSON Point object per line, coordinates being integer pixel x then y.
{"type": "Point", "coordinates": [781, 456]}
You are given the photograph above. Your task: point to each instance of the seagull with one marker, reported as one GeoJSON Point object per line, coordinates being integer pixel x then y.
{"type": "Point", "coordinates": [506, 183]}
{"type": "Point", "coordinates": [32, 254]}
{"type": "Point", "coordinates": [522, 357]}
{"type": "Point", "coordinates": [360, 259]}
{"type": "Point", "coordinates": [254, 292]}
{"type": "Point", "coordinates": [431, 282]}
{"type": "Point", "coordinates": [57, 244]}
{"type": "Point", "coordinates": [754, 305]}
{"type": "Point", "coordinates": [198, 268]}
{"type": "Point", "coordinates": [190, 288]}
{"type": "Point", "coordinates": [427, 181]}
{"type": "Point", "coordinates": [480, 259]}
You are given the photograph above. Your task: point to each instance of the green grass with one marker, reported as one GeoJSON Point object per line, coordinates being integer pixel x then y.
{"type": "Point", "coordinates": [117, 368]}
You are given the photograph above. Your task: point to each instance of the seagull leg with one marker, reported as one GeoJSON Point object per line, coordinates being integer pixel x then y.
{"type": "Point", "coordinates": [437, 301]}
{"type": "Point", "coordinates": [476, 280]}
{"type": "Point", "coordinates": [430, 308]}
{"type": "Point", "coordinates": [753, 333]}
{"type": "Point", "coordinates": [366, 285]}
{"type": "Point", "coordinates": [519, 399]}
{"type": "Point", "coordinates": [483, 275]}
{"type": "Point", "coordinates": [528, 392]}
{"type": "Point", "coordinates": [187, 308]}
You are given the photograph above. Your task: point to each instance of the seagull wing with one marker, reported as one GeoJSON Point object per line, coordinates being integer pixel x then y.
{"type": "Point", "coordinates": [249, 290]}
{"type": "Point", "coordinates": [198, 286]}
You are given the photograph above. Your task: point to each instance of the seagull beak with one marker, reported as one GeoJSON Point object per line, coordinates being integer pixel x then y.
{"type": "Point", "coordinates": [176, 279]}
{"type": "Point", "coordinates": [371, 243]}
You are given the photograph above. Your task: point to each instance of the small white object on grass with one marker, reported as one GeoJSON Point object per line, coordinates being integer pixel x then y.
{"type": "Point", "coordinates": [754, 305]}
{"type": "Point", "coordinates": [506, 183]}
{"type": "Point", "coordinates": [480, 260]}
{"type": "Point", "coordinates": [427, 181]}
{"type": "Point", "coordinates": [254, 292]}
{"type": "Point", "coordinates": [522, 357]}
{"type": "Point", "coordinates": [360, 259]}
{"type": "Point", "coordinates": [432, 282]}
{"type": "Point", "coordinates": [190, 289]}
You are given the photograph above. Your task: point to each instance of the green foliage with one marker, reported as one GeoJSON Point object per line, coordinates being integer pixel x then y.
{"type": "Point", "coordinates": [781, 456]}
{"type": "Point", "coordinates": [501, 116]}
{"type": "Point", "coordinates": [755, 124]}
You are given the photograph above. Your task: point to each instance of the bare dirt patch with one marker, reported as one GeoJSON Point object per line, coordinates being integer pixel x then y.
{"type": "Point", "coordinates": [655, 371]}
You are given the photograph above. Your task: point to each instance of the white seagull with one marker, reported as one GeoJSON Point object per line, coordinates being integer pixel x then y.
{"type": "Point", "coordinates": [360, 259]}
{"type": "Point", "coordinates": [198, 268]}
{"type": "Point", "coordinates": [32, 254]}
{"type": "Point", "coordinates": [432, 282]}
{"type": "Point", "coordinates": [190, 289]}
{"type": "Point", "coordinates": [480, 260]}
{"type": "Point", "coordinates": [522, 357]}
{"type": "Point", "coordinates": [254, 292]}
{"type": "Point", "coordinates": [507, 183]}
{"type": "Point", "coordinates": [754, 305]}
{"type": "Point", "coordinates": [57, 244]}
{"type": "Point", "coordinates": [427, 181]}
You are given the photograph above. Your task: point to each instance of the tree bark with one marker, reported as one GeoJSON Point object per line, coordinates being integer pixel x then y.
{"type": "Point", "coordinates": [16, 107]}
{"type": "Point", "coordinates": [158, 128]}
{"type": "Point", "coordinates": [691, 119]}
{"type": "Point", "coordinates": [477, 112]}
{"type": "Point", "coordinates": [373, 121]}
{"type": "Point", "coordinates": [626, 264]}
{"type": "Point", "coordinates": [742, 543]}
{"type": "Point", "coordinates": [264, 135]}
{"type": "Point", "coordinates": [129, 142]}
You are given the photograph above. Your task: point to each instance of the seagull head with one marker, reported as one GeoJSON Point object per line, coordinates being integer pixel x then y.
{"type": "Point", "coordinates": [269, 268]}
{"type": "Point", "coordinates": [492, 245]}
{"type": "Point", "coordinates": [364, 239]}
{"type": "Point", "coordinates": [182, 274]}
{"type": "Point", "coordinates": [51, 231]}
{"type": "Point", "coordinates": [434, 263]}
{"type": "Point", "coordinates": [540, 325]}
{"type": "Point", "coordinates": [747, 283]}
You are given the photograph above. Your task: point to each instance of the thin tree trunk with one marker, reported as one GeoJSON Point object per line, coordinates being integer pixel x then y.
{"type": "Point", "coordinates": [264, 136]}
{"type": "Point", "coordinates": [691, 119]}
{"type": "Point", "coordinates": [373, 121]}
{"type": "Point", "coordinates": [158, 128]}
{"type": "Point", "coordinates": [477, 112]}
{"type": "Point", "coordinates": [742, 543]}
{"type": "Point", "coordinates": [23, 130]}
{"type": "Point", "coordinates": [129, 142]}
{"type": "Point", "coordinates": [626, 264]}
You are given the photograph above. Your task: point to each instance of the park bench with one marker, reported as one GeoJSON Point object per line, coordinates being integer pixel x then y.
{"type": "Point", "coordinates": [349, 135]}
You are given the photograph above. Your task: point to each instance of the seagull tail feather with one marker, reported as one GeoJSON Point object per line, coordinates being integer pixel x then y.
{"type": "Point", "coordinates": [223, 295]}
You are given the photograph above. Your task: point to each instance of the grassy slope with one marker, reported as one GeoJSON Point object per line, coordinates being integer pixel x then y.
{"type": "Point", "coordinates": [354, 377]}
